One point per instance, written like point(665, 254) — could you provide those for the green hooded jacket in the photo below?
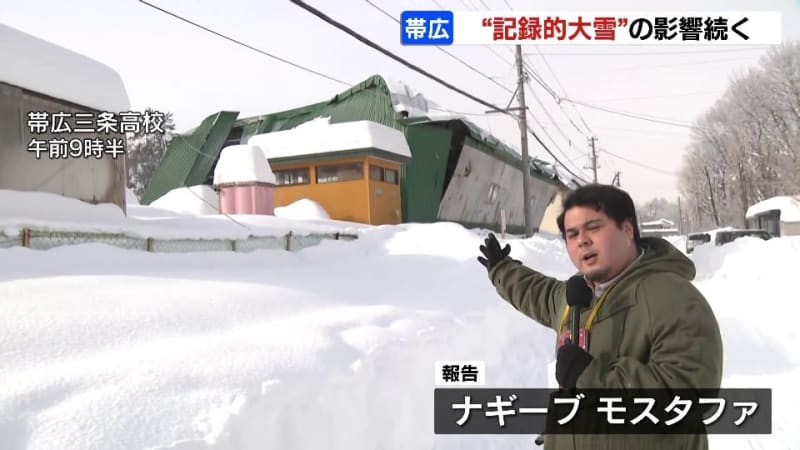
point(654, 330)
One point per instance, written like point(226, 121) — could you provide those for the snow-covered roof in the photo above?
point(789, 206)
point(661, 230)
point(659, 222)
point(243, 164)
point(40, 66)
point(318, 136)
point(407, 100)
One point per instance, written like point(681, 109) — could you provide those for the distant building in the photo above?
point(779, 215)
point(660, 227)
point(457, 171)
point(43, 84)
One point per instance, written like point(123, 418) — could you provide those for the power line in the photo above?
point(538, 78)
point(550, 90)
point(548, 134)
point(173, 178)
point(556, 97)
point(633, 115)
point(286, 61)
point(569, 140)
point(295, 64)
point(485, 46)
point(388, 53)
point(649, 97)
point(636, 163)
point(417, 69)
point(475, 8)
point(552, 72)
point(445, 51)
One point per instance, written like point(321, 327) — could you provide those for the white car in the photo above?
point(723, 236)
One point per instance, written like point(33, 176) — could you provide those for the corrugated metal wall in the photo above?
point(189, 158)
point(422, 180)
point(482, 187)
point(89, 179)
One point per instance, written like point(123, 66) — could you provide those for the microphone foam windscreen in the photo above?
point(578, 292)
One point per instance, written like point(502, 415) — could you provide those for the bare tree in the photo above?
point(746, 147)
point(145, 151)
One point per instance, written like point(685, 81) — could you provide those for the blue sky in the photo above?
point(172, 66)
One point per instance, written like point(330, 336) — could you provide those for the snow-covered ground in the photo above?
point(331, 347)
point(183, 213)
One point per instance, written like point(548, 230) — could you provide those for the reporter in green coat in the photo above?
point(647, 325)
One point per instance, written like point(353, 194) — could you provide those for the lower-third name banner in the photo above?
point(605, 411)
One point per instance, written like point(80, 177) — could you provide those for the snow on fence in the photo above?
point(46, 239)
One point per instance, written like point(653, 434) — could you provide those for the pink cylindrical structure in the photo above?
point(249, 198)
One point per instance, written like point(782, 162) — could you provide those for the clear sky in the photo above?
point(172, 66)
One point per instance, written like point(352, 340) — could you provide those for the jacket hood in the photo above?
point(661, 256)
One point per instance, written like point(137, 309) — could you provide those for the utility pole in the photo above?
point(523, 131)
point(519, 93)
point(615, 181)
point(593, 159)
point(680, 216)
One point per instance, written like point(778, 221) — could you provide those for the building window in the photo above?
point(340, 172)
point(292, 176)
point(391, 176)
point(377, 173)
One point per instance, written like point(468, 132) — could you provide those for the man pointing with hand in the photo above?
point(646, 326)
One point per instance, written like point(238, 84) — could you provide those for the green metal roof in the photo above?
point(190, 156)
point(193, 152)
point(372, 100)
point(368, 100)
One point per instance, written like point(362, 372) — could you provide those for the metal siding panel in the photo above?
point(467, 199)
point(211, 148)
point(178, 161)
point(422, 181)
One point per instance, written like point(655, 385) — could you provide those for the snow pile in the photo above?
point(130, 198)
point(320, 137)
point(194, 200)
point(789, 206)
point(41, 66)
point(176, 218)
point(332, 347)
point(240, 164)
point(30, 208)
point(678, 241)
point(303, 209)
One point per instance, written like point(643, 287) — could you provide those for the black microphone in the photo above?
point(579, 295)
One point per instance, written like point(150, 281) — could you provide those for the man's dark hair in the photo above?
point(614, 202)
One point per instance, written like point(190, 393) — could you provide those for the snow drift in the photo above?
point(331, 347)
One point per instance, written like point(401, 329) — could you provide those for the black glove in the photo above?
point(571, 361)
point(492, 252)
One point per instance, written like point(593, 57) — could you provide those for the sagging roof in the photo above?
point(387, 102)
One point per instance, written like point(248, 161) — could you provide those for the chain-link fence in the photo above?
point(45, 239)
